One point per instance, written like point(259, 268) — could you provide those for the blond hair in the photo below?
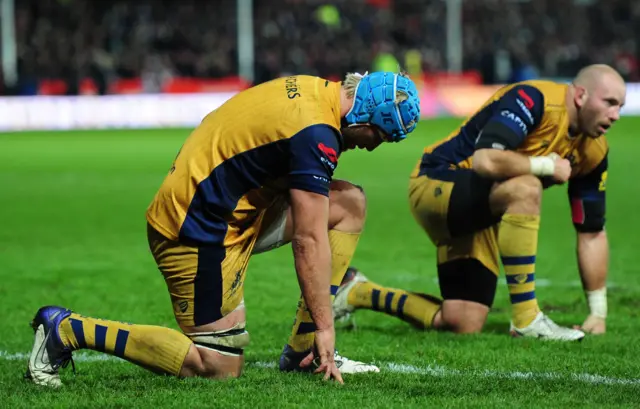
point(352, 79)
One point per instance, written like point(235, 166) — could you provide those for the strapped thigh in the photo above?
point(230, 342)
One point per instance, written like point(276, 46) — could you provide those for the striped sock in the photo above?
point(156, 348)
point(518, 242)
point(343, 246)
point(416, 309)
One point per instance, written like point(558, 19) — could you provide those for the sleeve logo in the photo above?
point(330, 153)
point(528, 101)
point(515, 118)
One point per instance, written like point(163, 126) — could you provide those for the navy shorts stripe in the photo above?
point(306, 328)
point(208, 285)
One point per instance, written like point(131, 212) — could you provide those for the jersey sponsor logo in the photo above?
point(320, 178)
point(515, 118)
point(528, 101)
point(291, 85)
point(499, 146)
point(526, 110)
point(329, 152)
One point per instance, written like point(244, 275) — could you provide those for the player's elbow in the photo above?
point(484, 164)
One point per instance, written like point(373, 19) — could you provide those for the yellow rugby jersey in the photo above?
point(535, 114)
point(262, 142)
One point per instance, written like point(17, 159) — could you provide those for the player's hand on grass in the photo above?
point(593, 325)
point(324, 355)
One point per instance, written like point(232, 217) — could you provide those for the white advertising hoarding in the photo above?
point(154, 110)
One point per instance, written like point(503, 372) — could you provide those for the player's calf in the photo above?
point(518, 242)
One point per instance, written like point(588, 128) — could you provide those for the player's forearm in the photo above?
point(313, 266)
point(593, 259)
point(593, 262)
point(498, 164)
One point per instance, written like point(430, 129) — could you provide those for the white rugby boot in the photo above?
point(543, 327)
point(48, 354)
point(341, 308)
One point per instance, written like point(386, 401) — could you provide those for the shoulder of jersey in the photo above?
point(599, 145)
point(305, 92)
point(553, 92)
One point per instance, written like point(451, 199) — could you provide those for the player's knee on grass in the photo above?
point(347, 207)
point(218, 348)
point(468, 289)
point(521, 194)
point(463, 317)
point(212, 364)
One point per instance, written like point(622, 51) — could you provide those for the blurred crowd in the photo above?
point(504, 40)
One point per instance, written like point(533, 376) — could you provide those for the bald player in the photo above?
point(255, 174)
point(477, 195)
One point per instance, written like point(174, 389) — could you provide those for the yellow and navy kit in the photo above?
point(245, 155)
point(531, 118)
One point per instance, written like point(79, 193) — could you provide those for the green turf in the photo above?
point(72, 232)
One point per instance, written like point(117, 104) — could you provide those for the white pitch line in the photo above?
point(540, 282)
point(429, 370)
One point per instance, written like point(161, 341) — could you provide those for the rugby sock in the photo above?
point(416, 309)
point(518, 243)
point(343, 246)
point(156, 348)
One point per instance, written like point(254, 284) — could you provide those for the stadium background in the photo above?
point(456, 50)
point(97, 97)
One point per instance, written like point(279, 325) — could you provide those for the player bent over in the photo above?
point(477, 195)
point(255, 174)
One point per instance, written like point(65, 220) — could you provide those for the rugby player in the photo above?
point(477, 195)
point(255, 174)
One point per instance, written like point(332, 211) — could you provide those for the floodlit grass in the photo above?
point(72, 233)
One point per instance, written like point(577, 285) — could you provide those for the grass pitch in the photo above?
point(72, 232)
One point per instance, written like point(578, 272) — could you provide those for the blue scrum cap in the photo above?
point(374, 103)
